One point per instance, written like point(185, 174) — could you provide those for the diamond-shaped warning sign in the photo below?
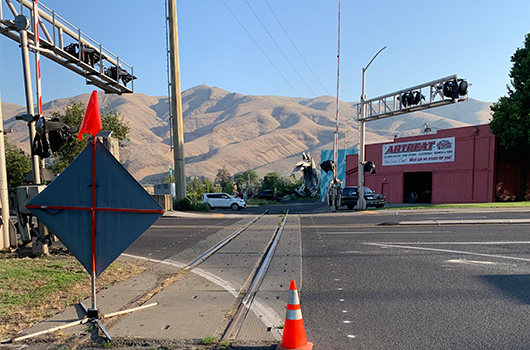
point(96, 208)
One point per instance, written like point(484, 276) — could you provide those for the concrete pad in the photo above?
point(190, 309)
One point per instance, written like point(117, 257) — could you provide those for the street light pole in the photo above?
point(361, 202)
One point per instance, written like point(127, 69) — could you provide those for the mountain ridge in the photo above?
point(241, 132)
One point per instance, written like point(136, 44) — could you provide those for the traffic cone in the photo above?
point(294, 337)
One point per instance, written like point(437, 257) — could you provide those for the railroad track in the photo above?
point(250, 288)
point(252, 245)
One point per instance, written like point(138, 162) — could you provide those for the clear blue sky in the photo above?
point(425, 41)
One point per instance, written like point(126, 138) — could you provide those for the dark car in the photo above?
point(269, 195)
point(350, 196)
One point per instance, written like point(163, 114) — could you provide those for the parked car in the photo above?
point(350, 196)
point(223, 200)
point(269, 195)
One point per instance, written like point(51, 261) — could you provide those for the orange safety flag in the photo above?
point(92, 120)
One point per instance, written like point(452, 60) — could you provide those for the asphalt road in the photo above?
point(367, 286)
point(171, 235)
point(371, 284)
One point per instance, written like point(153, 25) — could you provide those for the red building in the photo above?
point(460, 165)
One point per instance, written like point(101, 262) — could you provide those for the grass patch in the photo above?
point(32, 289)
point(210, 339)
point(462, 206)
point(225, 345)
point(259, 202)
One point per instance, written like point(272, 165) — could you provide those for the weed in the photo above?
point(107, 344)
point(225, 345)
point(210, 339)
point(280, 326)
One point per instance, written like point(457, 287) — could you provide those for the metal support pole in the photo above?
point(361, 202)
point(29, 99)
point(176, 104)
point(4, 238)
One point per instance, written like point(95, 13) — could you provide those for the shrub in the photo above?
point(190, 203)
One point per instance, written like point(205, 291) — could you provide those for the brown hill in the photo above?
point(241, 132)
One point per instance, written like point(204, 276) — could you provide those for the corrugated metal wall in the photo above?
point(469, 178)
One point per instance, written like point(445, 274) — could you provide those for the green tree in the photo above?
point(197, 187)
point(73, 115)
point(223, 178)
point(248, 179)
point(168, 179)
point(271, 181)
point(17, 164)
point(511, 113)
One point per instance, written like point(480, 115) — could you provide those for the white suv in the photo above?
point(223, 200)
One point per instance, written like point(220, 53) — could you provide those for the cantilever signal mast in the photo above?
point(66, 45)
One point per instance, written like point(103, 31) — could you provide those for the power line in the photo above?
point(279, 48)
point(296, 48)
point(259, 47)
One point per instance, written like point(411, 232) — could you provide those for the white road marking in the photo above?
point(464, 261)
point(460, 243)
point(371, 232)
point(383, 245)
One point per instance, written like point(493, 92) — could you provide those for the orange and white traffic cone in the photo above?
point(294, 337)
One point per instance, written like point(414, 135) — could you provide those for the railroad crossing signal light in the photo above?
point(454, 88)
point(327, 166)
point(411, 98)
point(369, 167)
point(124, 75)
point(89, 55)
point(52, 135)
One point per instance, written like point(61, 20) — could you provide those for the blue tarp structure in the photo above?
point(123, 209)
point(325, 178)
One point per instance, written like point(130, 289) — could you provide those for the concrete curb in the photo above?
point(466, 222)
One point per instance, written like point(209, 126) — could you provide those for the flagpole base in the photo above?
point(92, 313)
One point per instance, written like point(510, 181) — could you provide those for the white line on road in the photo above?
point(464, 261)
point(458, 243)
point(448, 251)
point(369, 232)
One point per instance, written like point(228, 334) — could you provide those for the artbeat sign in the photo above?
point(418, 152)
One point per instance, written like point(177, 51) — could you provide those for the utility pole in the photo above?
point(176, 104)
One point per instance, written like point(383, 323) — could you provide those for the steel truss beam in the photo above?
point(392, 104)
point(63, 33)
